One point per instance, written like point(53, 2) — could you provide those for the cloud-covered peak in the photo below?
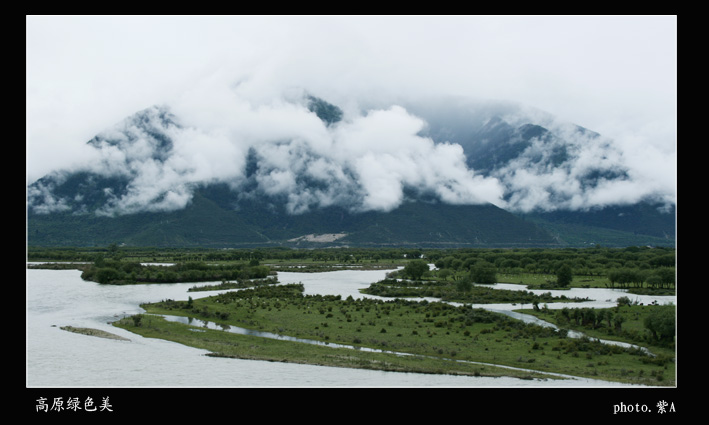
point(306, 153)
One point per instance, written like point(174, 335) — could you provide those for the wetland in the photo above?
point(438, 323)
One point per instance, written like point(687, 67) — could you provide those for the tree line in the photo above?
point(115, 272)
point(624, 267)
point(658, 320)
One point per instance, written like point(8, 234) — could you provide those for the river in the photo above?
point(57, 358)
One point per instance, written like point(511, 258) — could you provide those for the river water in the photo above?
point(57, 358)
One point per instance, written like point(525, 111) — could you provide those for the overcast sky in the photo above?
point(616, 75)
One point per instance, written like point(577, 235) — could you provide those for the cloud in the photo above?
point(580, 170)
point(365, 162)
point(236, 86)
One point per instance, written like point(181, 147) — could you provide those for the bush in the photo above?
point(622, 301)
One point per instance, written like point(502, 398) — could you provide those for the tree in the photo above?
point(444, 274)
point(608, 315)
point(415, 269)
point(464, 285)
point(564, 276)
point(588, 317)
point(107, 275)
point(618, 321)
point(661, 322)
point(622, 301)
point(414, 253)
point(624, 277)
point(483, 272)
point(667, 275)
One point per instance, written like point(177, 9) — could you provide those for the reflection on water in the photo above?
point(56, 358)
point(242, 331)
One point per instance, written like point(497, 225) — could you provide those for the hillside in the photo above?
point(157, 181)
point(203, 223)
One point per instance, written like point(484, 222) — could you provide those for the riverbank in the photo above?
point(230, 345)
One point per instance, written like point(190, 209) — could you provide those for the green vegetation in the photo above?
point(93, 332)
point(640, 270)
point(240, 284)
point(273, 256)
point(651, 326)
point(637, 269)
point(229, 345)
point(121, 272)
point(440, 338)
point(210, 220)
point(461, 291)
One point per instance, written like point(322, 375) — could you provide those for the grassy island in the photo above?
point(435, 337)
point(93, 332)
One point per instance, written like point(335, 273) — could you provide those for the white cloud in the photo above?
point(231, 79)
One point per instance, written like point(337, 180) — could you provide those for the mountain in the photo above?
point(204, 223)
point(417, 175)
point(500, 141)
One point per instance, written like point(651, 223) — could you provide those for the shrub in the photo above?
point(623, 301)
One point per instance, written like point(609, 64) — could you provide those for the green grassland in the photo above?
point(439, 338)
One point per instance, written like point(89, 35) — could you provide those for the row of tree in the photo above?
point(624, 267)
point(659, 321)
point(479, 272)
point(484, 272)
point(587, 261)
point(659, 278)
point(109, 271)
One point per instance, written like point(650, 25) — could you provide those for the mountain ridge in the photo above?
point(204, 223)
point(105, 202)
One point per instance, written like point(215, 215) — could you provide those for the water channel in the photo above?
point(56, 358)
